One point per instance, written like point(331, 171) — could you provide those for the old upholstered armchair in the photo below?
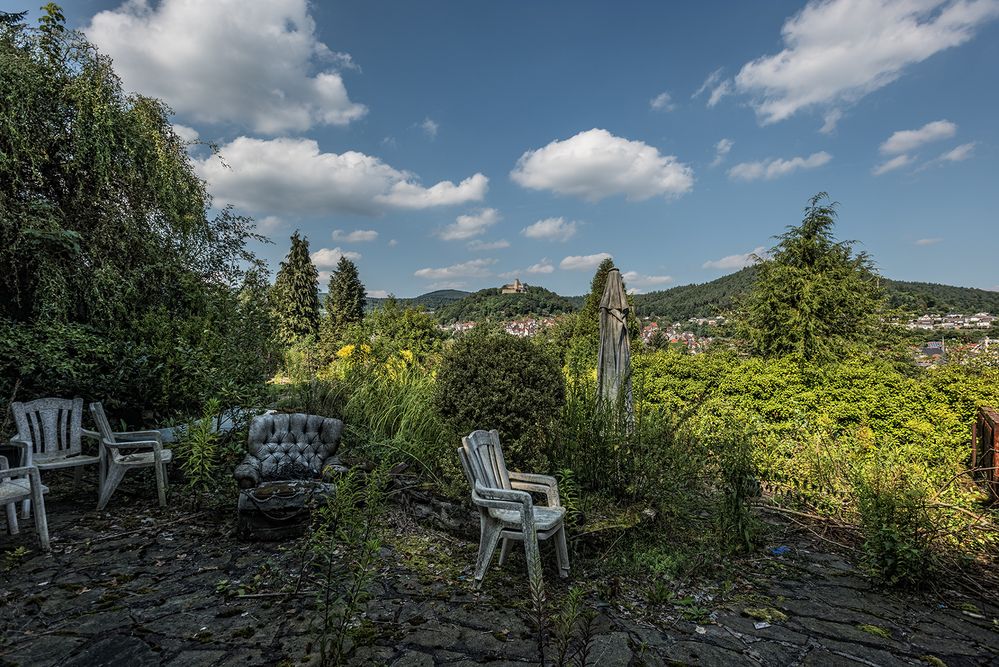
point(506, 508)
point(288, 446)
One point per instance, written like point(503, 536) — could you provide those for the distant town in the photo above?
point(954, 321)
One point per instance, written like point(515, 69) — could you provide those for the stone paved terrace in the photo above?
point(134, 586)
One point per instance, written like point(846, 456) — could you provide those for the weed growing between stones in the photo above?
point(538, 608)
point(346, 542)
point(572, 630)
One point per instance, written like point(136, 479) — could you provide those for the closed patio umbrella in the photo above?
point(614, 356)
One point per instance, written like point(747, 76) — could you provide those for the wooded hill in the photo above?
point(491, 304)
point(717, 296)
point(430, 300)
point(683, 302)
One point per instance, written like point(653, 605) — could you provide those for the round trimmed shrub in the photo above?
point(498, 381)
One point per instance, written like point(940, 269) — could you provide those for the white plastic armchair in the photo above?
point(17, 484)
point(506, 508)
point(48, 435)
point(125, 450)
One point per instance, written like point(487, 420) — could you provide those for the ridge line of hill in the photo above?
point(684, 301)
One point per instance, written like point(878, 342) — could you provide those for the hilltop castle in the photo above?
point(516, 287)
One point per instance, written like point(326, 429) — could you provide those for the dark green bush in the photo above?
point(497, 381)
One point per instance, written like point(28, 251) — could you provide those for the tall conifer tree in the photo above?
point(814, 297)
point(296, 293)
point(346, 298)
point(588, 318)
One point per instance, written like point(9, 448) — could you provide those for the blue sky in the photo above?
point(464, 143)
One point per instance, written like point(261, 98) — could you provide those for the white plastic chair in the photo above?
point(17, 484)
point(48, 432)
point(125, 450)
point(506, 508)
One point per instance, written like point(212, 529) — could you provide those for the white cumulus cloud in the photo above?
point(737, 261)
point(293, 176)
point(356, 236)
point(776, 167)
point(904, 141)
point(327, 258)
point(662, 102)
point(636, 279)
point(837, 51)
point(722, 149)
point(896, 162)
point(475, 268)
point(257, 63)
point(478, 246)
point(467, 226)
point(583, 262)
point(830, 120)
point(596, 164)
point(717, 86)
point(187, 134)
point(430, 127)
point(544, 266)
point(962, 152)
point(550, 229)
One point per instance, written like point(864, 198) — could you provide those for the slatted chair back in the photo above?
point(485, 460)
point(53, 426)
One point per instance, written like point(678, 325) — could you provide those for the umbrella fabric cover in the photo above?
point(614, 357)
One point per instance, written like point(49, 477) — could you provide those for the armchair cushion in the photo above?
point(288, 446)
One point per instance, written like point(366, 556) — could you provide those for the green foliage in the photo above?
point(608, 452)
point(722, 295)
point(679, 304)
point(814, 297)
point(345, 543)
point(295, 296)
point(897, 523)
point(588, 318)
point(393, 328)
point(430, 300)
point(116, 285)
point(732, 448)
point(916, 297)
point(492, 304)
point(198, 451)
point(345, 299)
point(496, 381)
point(859, 440)
point(101, 211)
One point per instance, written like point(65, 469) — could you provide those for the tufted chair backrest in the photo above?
point(283, 442)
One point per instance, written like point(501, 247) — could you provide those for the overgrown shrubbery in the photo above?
point(117, 283)
point(496, 381)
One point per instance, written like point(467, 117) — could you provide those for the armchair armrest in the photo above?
point(21, 471)
point(485, 496)
point(539, 483)
point(505, 499)
point(25, 448)
point(133, 444)
point(139, 435)
point(87, 433)
point(31, 472)
point(534, 479)
point(248, 473)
